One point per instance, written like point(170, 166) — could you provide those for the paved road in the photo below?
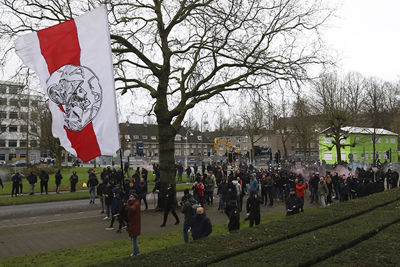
point(42, 227)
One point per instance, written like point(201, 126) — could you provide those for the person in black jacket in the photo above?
point(15, 184)
point(92, 183)
point(108, 197)
point(44, 181)
point(73, 181)
point(169, 205)
point(141, 191)
point(32, 180)
point(58, 181)
point(101, 190)
point(253, 208)
point(201, 224)
point(1, 184)
point(293, 203)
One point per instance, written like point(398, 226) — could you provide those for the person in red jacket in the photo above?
point(300, 188)
point(134, 222)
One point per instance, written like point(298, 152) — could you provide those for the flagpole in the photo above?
point(122, 164)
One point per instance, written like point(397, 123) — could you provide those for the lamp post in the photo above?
point(186, 145)
point(201, 121)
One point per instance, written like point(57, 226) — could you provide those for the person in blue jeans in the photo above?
point(134, 221)
point(92, 183)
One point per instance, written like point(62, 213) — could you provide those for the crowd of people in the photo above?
point(237, 188)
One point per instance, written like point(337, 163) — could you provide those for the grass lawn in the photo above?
point(112, 250)
point(65, 184)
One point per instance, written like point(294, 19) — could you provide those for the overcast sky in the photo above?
point(366, 35)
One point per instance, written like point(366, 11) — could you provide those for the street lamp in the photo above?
point(186, 145)
point(201, 121)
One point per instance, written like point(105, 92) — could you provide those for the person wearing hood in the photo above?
point(253, 208)
point(201, 224)
point(188, 203)
point(169, 205)
point(253, 184)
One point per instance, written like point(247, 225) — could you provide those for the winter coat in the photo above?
point(92, 180)
point(253, 205)
point(253, 185)
point(32, 179)
point(201, 226)
point(58, 178)
point(323, 189)
point(44, 177)
point(300, 189)
point(293, 201)
point(187, 209)
point(133, 218)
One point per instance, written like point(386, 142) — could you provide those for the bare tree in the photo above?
point(253, 123)
point(304, 125)
point(374, 110)
point(338, 107)
point(185, 52)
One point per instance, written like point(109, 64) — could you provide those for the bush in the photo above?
point(218, 248)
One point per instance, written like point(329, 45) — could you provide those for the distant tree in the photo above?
point(252, 120)
point(338, 106)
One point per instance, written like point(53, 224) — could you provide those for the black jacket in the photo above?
point(32, 179)
point(253, 204)
point(201, 226)
point(293, 202)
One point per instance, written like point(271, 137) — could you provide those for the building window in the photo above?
point(12, 143)
point(2, 143)
point(144, 137)
point(22, 155)
point(392, 140)
point(11, 156)
point(178, 137)
point(3, 90)
point(199, 138)
point(2, 157)
point(327, 156)
point(387, 140)
point(24, 102)
point(153, 146)
point(13, 90)
point(22, 143)
point(3, 115)
point(193, 146)
point(3, 101)
point(379, 140)
point(34, 143)
point(198, 146)
point(14, 102)
point(34, 103)
point(136, 137)
point(327, 140)
point(153, 137)
point(3, 128)
point(357, 139)
point(13, 115)
point(13, 128)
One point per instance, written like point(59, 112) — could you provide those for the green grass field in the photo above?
point(65, 186)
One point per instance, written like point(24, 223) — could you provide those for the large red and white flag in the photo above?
point(74, 64)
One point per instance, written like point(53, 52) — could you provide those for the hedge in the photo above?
point(311, 248)
point(215, 249)
point(382, 249)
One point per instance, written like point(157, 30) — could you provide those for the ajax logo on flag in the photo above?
point(77, 91)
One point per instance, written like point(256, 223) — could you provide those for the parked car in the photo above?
point(18, 163)
point(2, 162)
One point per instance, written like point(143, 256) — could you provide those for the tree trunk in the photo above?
point(167, 157)
point(338, 150)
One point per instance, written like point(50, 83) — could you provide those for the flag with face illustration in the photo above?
point(74, 64)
